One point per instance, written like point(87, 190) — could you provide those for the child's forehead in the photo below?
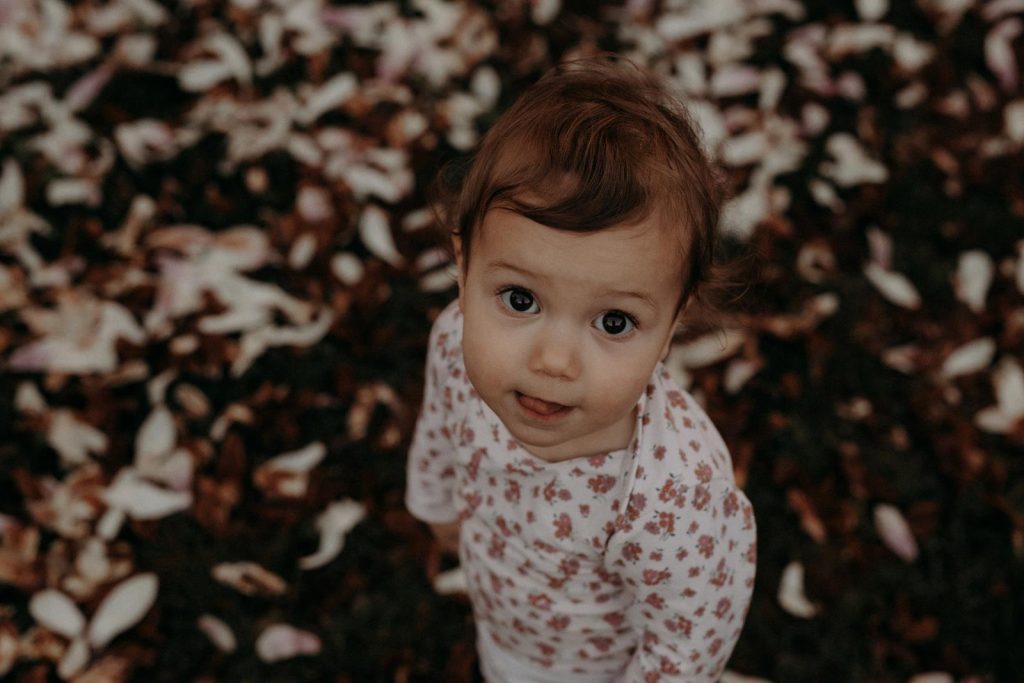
point(645, 251)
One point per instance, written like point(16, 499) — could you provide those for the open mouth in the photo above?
point(539, 409)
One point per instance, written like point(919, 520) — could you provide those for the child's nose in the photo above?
point(556, 354)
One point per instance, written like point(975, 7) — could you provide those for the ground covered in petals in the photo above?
point(218, 271)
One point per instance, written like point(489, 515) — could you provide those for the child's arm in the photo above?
point(691, 587)
point(430, 480)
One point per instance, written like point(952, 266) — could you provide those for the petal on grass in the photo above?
point(895, 532)
point(282, 641)
point(971, 357)
point(334, 524)
point(895, 287)
point(122, 608)
point(57, 612)
point(791, 592)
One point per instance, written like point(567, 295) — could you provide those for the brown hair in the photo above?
point(593, 144)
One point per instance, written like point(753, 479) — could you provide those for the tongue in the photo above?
point(540, 406)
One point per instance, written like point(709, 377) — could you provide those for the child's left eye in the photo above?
point(615, 323)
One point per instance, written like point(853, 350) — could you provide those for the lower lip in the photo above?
point(542, 417)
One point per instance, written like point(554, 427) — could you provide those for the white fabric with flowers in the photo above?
point(634, 565)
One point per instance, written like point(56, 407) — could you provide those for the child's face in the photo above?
point(562, 330)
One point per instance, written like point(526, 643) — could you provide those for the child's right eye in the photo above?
point(519, 300)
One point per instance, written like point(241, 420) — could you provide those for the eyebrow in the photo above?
point(619, 293)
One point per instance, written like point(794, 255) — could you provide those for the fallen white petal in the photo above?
point(932, 677)
point(739, 371)
point(28, 399)
point(1013, 121)
point(707, 350)
point(282, 641)
point(872, 10)
point(971, 357)
point(375, 232)
point(74, 439)
point(143, 500)
point(334, 524)
point(12, 187)
point(852, 165)
point(75, 658)
point(122, 608)
point(791, 592)
point(57, 612)
point(895, 532)
point(155, 438)
point(302, 252)
point(219, 633)
point(451, 582)
point(973, 278)
point(895, 287)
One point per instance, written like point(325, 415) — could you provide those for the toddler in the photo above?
point(591, 500)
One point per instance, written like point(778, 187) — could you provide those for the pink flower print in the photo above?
point(512, 492)
point(731, 504)
point(550, 492)
point(659, 453)
point(474, 463)
point(565, 495)
point(597, 461)
point(682, 554)
point(652, 528)
point(540, 600)
point(559, 622)
point(602, 643)
point(703, 472)
point(632, 551)
point(679, 625)
point(601, 484)
point(615, 619)
point(637, 503)
point(656, 556)
point(723, 607)
point(496, 549)
point(546, 649)
point(688, 423)
point(563, 526)
point(675, 398)
point(701, 497)
point(652, 677)
point(569, 567)
point(668, 666)
point(530, 517)
point(655, 601)
point(667, 491)
point(716, 645)
point(496, 584)
point(503, 525)
point(667, 521)
point(584, 511)
point(654, 577)
point(706, 545)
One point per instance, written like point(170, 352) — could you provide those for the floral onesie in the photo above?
point(635, 565)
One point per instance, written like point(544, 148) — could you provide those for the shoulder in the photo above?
point(446, 334)
point(680, 440)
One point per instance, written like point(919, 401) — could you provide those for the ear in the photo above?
point(460, 274)
point(677, 326)
point(668, 339)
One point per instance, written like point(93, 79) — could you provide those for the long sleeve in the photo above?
point(688, 557)
point(430, 473)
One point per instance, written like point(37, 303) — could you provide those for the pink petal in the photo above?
point(281, 641)
point(895, 532)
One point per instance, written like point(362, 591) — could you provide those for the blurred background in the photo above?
point(217, 275)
